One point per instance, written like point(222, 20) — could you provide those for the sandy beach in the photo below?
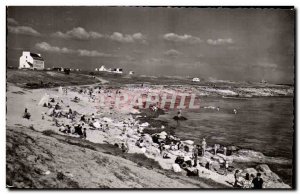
point(108, 129)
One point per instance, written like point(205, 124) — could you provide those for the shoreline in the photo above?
point(154, 122)
point(117, 131)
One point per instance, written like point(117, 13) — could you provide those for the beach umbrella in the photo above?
point(163, 133)
point(189, 142)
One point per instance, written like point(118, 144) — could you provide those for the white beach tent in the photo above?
point(60, 90)
point(45, 99)
point(96, 125)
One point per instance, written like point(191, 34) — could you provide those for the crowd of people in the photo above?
point(78, 124)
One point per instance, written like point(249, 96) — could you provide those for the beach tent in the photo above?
point(96, 125)
point(188, 142)
point(50, 111)
point(146, 124)
point(45, 99)
point(176, 168)
point(162, 135)
point(60, 90)
point(107, 119)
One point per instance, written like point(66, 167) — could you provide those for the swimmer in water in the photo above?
point(179, 113)
point(235, 111)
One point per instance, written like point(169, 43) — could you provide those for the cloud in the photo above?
point(23, 30)
point(93, 53)
point(266, 65)
point(127, 38)
point(172, 53)
point(44, 46)
point(12, 21)
point(220, 41)
point(182, 38)
point(78, 33)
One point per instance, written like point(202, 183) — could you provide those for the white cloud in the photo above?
point(266, 65)
point(127, 38)
point(12, 21)
point(23, 30)
point(44, 46)
point(182, 38)
point(93, 53)
point(220, 41)
point(78, 33)
point(172, 53)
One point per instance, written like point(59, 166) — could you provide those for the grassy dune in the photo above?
point(53, 79)
point(49, 160)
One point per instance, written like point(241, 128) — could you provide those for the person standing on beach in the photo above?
point(226, 167)
point(247, 184)
point(257, 182)
point(195, 155)
point(216, 148)
point(124, 148)
point(236, 178)
point(225, 151)
point(179, 113)
point(84, 133)
point(203, 146)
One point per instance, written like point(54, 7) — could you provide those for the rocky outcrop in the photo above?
point(244, 155)
point(271, 179)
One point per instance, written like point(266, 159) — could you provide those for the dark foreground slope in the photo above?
point(48, 160)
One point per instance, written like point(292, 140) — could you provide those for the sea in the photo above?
point(264, 124)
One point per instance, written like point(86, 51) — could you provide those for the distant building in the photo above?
point(263, 81)
point(96, 69)
point(117, 70)
point(102, 68)
point(196, 79)
point(58, 69)
point(30, 60)
point(131, 72)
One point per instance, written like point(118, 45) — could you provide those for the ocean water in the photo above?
point(263, 124)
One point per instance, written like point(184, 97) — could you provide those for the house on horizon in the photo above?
point(102, 68)
point(30, 60)
point(117, 70)
point(196, 79)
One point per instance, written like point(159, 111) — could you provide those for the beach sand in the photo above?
point(85, 170)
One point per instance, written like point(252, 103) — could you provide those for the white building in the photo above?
point(102, 68)
point(32, 61)
point(131, 72)
point(117, 70)
point(196, 79)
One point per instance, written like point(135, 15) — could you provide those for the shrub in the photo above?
point(48, 132)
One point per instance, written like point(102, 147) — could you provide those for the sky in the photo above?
point(210, 43)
